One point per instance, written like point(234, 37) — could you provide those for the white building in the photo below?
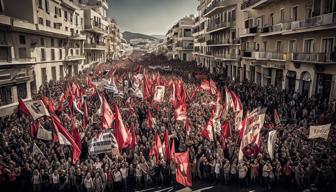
point(43, 40)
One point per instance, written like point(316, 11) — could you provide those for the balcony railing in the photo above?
point(269, 55)
point(226, 56)
point(276, 28)
point(74, 57)
point(321, 20)
point(249, 3)
point(252, 30)
point(94, 46)
point(315, 57)
point(223, 42)
point(215, 26)
point(215, 4)
point(18, 60)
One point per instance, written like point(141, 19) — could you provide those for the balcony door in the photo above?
point(309, 46)
point(328, 45)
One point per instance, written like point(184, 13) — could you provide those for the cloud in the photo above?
point(150, 16)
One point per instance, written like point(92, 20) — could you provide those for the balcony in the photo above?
point(217, 6)
point(278, 56)
point(220, 26)
point(70, 4)
point(77, 36)
point(226, 57)
point(226, 42)
point(52, 31)
point(185, 47)
point(275, 29)
point(74, 57)
point(249, 32)
point(96, 27)
point(254, 4)
point(318, 21)
point(95, 46)
point(318, 58)
point(18, 61)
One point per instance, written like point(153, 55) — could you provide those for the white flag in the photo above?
point(36, 109)
point(44, 134)
point(321, 131)
point(238, 120)
point(270, 142)
point(36, 150)
point(62, 140)
point(159, 93)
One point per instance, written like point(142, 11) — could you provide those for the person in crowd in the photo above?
point(297, 159)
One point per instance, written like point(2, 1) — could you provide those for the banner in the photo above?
point(183, 170)
point(44, 134)
point(36, 150)
point(321, 131)
point(103, 144)
point(36, 109)
point(159, 93)
point(272, 135)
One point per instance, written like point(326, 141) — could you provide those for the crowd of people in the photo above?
point(297, 160)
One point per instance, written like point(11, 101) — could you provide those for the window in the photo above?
point(53, 73)
point(278, 46)
point(295, 13)
point(43, 55)
point(60, 54)
point(328, 45)
point(47, 23)
point(22, 53)
point(56, 11)
point(271, 21)
point(52, 42)
point(309, 46)
point(41, 21)
point(5, 95)
point(46, 6)
point(65, 15)
point(292, 46)
point(52, 54)
point(44, 75)
point(22, 90)
point(22, 39)
point(61, 71)
point(265, 46)
point(40, 4)
point(59, 43)
point(42, 41)
point(282, 15)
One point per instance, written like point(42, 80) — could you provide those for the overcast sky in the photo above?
point(153, 17)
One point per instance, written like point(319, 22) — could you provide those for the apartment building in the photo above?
point(43, 40)
point(180, 39)
point(290, 44)
point(200, 36)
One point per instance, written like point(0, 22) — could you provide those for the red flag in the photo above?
point(226, 130)
point(166, 144)
point(183, 170)
point(207, 131)
point(159, 147)
point(172, 151)
point(75, 134)
point(133, 142)
point(33, 128)
point(86, 115)
point(121, 132)
point(150, 118)
point(243, 126)
point(107, 116)
point(62, 131)
point(153, 152)
point(209, 86)
point(23, 108)
point(277, 118)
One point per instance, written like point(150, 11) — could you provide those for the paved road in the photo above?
point(202, 186)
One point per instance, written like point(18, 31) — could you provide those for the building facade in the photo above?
point(40, 41)
point(180, 40)
point(291, 45)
